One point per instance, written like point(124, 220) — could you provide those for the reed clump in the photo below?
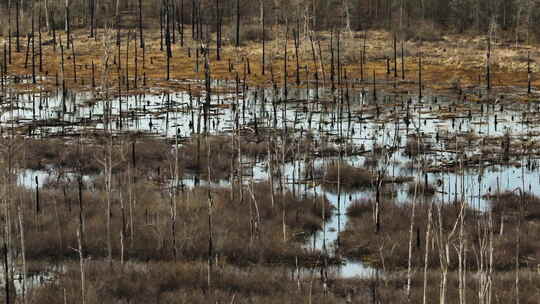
point(349, 177)
point(389, 247)
point(421, 189)
point(513, 211)
point(416, 146)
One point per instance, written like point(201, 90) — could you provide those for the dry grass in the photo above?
point(512, 204)
point(248, 226)
point(456, 57)
point(416, 146)
point(388, 249)
point(187, 283)
point(351, 178)
point(60, 155)
point(176, 283)
point(421, 188)
point(359, 239)
point(246, 229)
point(215, 155)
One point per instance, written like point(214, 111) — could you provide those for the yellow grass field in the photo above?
point(455, 61)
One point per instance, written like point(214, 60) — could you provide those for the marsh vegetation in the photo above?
point(257, 152)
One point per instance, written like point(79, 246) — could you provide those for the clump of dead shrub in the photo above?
point(349, 177)
point(420, 188)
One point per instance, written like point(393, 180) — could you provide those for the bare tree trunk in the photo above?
point(347, 15)
point(117, 17)
point(182, 23)
point(106, 161)
point(141, 39)
point(237, 23)
point(33, 46)
point(67, 26)
point(193, 14)
point(263, 38)
point(488, 64)
point(39, 43)
point(17, 15)
point(6, 274)
point(9, 31)
point(81, 263)
point(23, 252)
point(210, 230)
point(411, 230)
point(47, 16)
point(426, 251)
point(122, 231)
point(108, 184)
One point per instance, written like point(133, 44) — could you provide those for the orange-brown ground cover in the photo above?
point(451, 63)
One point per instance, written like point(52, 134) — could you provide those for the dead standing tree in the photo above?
point(237, 23)
point(17, 27)
point(67, 24)
point(141, 39)
point(218, 30)
point(106, 159)
point(8, 150)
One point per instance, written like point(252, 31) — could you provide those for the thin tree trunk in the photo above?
point(47, 16)
point(33, 46)
point(237, 23)
point(39, 43)
point(67, 26)
point(6, 274)
point(91, 4)
point(23, 252)
point(263, 38)
point(141, 39)
point(411, 229)
point(17, 34)
point(81, 263)
point(426, 251)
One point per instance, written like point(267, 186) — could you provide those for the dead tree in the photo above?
point(74, 62)
point(285, 76)
point(141, 39)
point(332, 70)
point(488, 65)
point(218, 31)
point(181, 23)
point(419, 76)
point(23, 252)
point(39, 43)
point(33, 46)
point(9, 31)
point(529, 73)
point(91, 11)
point(296, 35)
point(118, 25)
point(67, 25)
point(237, 23)
point(18, 44)
point(168, 38)
point(402, 60)
point(263, 37)
point(81, 263)
point(193, 17)
point(395, 56)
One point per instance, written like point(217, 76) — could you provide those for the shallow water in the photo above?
point(362, 123)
